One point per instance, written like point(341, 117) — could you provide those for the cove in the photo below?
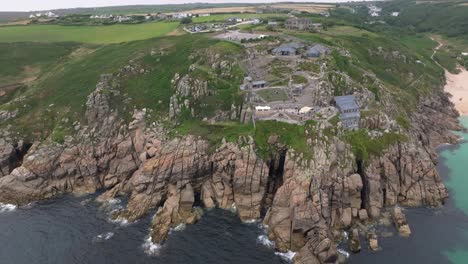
point(439, 235)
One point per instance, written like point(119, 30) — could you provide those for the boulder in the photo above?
point(354, 243)
point(401, 224)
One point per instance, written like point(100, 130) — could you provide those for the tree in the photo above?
point(186, 20)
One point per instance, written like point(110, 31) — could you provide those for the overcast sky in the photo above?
point(31, 5)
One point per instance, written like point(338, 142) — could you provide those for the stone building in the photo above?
point(349, 111)
point(299, 23)
point(287, 49)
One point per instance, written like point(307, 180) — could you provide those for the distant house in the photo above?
point(349, 111)
point(273, 24)
point(287, 49)
point(161, 16)
point(247, 85)
point(317, 50)
point(181, 15)
point(395, 14)
point(298, 23)
point(204, 15)
point(325, 14)
point(374, 11)
point(262, 108)
point(32, 16)
point(259, 84)
point(316, 26)
point(313, 53)
point(51, 15)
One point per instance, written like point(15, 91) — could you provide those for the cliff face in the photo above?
point(304, 202)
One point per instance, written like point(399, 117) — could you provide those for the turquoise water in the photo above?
point(439, 236)
point(456, 160)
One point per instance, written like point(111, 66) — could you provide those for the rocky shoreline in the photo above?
point(305, 204)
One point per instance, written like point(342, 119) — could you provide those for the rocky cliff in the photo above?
point(306, 203)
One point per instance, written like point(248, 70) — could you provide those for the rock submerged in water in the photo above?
point(401, 224)
point(373, 240)
point(354, 244)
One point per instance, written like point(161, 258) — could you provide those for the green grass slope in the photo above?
point(86, 34)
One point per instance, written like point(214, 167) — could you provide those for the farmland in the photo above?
point(222, 17)
point(86, 34)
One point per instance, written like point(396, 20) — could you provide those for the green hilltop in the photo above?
point(48, 71)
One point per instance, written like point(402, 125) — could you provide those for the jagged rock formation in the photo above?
point(303, 201)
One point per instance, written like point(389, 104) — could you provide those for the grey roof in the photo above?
point(321, 48)
point(284, 49)
point(346, 102)
point(351, 115)
point(259, 82)
point(313, 51)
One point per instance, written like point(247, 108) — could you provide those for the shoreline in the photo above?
point(457, 87)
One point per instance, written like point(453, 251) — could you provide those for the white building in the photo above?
point(305, 110)
point(262, 108)
point(51, 15)
point(122, 18)
point(395, 14)
point(204, 15)
point(181, 15)
point(374, 11)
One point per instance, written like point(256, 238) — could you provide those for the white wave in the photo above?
point(114, 201)
point(233, 208)
point(288, 256)
point(343, 252)
point(251, 221)
point(120, 221)
point(7, 207)
point(105, 236)
point(151, 248)
point(113, 207)
point(345, 235)
point(180, 227)
point(263, 227)
point(263, 240)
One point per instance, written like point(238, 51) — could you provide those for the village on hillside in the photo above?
point(284, 78)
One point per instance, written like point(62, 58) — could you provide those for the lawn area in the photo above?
point(347, 31)
point(299, 79)
point(223, 17)
point(86, 34)
point(22, 61)
point(273, 95)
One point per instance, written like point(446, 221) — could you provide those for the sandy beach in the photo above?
point(457, 86)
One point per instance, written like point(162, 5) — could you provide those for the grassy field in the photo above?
point(20, 61)
point(69, 73)
point(86, 34)
point(347, 31)
point(273, 95)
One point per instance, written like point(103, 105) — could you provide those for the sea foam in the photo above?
point(105, 236)
point(343, 252)
point(263, 240)
point(7, 207)
point(151, 248)
point(288, 256)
